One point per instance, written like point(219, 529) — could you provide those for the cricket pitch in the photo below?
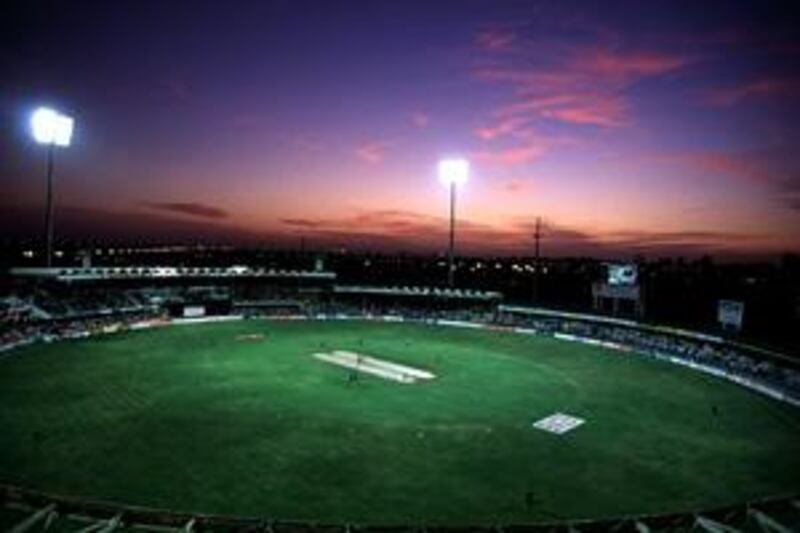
point(376, 367)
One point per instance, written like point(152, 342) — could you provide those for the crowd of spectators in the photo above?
point(410, 312)
point(47, 317)
point(29, 331)
point(720, 355)
point(43, 316)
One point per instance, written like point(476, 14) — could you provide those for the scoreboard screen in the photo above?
point(622, 274)
point(194, 311)
point(730, 314)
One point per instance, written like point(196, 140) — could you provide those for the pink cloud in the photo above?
point(512, 156)
point(534, 103)
point(513, 75)
point(606, 111)
point(372, 152)
point(627, 65)
point(501, 128)
point(420, 119)
point(495, 40)
point(764, 88)
point(739, 165)
point(587, 87)
point(581, 107)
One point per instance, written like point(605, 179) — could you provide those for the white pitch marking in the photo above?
point(374, 366)
point(558, 423)
point(381, 363)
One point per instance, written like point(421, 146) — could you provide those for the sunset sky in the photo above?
point(654, 127)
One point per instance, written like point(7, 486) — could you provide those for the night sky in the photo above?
point(630, 127)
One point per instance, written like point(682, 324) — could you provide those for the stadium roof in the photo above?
point(462, 294)
point(164, 272)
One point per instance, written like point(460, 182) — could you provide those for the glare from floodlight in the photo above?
point(453, 171)
point(51, 127)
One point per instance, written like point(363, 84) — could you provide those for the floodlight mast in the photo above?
point(453, 172)
point(52, 129)
point(451, 267)
point(48, 216)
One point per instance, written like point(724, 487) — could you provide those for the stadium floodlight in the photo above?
point(453, 173)
point(53, 129)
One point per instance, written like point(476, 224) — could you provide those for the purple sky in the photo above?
point(654, 127)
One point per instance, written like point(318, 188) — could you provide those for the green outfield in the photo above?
point(214, 418)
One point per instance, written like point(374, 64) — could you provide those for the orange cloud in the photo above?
point(395, 230)
point(410, 230)
point(300, 222)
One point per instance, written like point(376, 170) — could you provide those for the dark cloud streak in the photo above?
point(194, 209)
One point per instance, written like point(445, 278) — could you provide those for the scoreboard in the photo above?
point(730, 314)
point(619, 292)
point(622, 274)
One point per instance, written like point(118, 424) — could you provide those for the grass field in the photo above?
point(191, 418)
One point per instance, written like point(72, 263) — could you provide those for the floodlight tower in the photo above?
point(53, 129)
point(453, 173)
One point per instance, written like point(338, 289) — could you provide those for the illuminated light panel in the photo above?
point(453, 171)
point(50, 127)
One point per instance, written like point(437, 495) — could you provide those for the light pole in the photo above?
point(537, 235)
point(53, 129)
point(453, 173)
